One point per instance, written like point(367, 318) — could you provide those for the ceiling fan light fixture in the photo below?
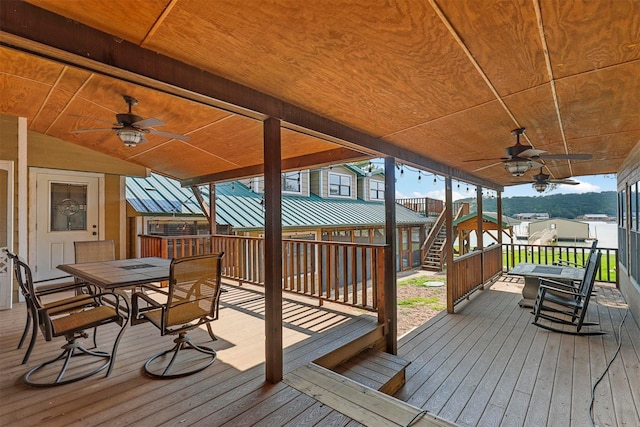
point(130, 137)
point(540, 186)
point(517, 167)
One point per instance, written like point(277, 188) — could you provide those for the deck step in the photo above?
point(376, 369)
point(358, 402)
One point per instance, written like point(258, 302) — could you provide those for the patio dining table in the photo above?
point(532, 274)
point(122, 273)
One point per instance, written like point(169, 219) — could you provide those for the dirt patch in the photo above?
point(419, 299)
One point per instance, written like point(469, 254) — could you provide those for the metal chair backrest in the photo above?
point(22, 274)
point(194, 292)
point(94, 250)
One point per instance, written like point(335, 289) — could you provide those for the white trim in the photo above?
point(7, 299)
point(23, 205)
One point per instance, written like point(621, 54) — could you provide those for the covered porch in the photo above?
point(485, 365)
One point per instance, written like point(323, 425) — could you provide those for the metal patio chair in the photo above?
point(37, 292)
point(192, 300)
point(94, 250)
point(58, 319)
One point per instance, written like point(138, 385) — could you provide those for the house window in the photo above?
point(339, 185)
point(377, 190)
point(291, 182)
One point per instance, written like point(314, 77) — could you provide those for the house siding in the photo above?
point(628, 175)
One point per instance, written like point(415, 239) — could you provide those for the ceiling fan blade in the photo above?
point(90, 130)
point(564, 156)
point(169, 135)
point(481, 160)
point(151, 121)
point(487, 167)
point(564, 181)
point(536, 165)
point(531, 153)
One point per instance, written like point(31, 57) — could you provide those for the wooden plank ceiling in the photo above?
point(441, 80)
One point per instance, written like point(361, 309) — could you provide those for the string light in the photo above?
point(419, 176)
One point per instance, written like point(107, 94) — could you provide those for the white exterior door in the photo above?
point(68, 209)
point(6, 232)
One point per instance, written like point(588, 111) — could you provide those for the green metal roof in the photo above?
point(243, 209)
point(489, 217)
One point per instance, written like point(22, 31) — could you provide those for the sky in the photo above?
point(412, 184)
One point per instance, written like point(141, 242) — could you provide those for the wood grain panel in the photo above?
point(601, 102)
point(362, 61)
point(585, 35)
point(118, 18)
point(504, 39)
point(193, 161)
point(21, 97)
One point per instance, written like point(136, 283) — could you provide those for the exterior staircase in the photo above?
point(434, 254)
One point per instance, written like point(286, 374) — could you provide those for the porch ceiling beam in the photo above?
point(37, 31)
point(338, 155)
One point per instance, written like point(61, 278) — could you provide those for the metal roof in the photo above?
point(242, 208)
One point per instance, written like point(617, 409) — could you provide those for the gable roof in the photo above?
point(241, 208)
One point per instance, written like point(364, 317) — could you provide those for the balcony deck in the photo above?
point(485, 365)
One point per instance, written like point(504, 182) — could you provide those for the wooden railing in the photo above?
point(423, 205)
point(471, 272)
point(515, 253)
point(344, 273)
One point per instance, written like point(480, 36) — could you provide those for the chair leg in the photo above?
point(125, 324)
point(70, 350)
point(182, 342)
point(26, 329)
point(211, 334)
point(34, 336)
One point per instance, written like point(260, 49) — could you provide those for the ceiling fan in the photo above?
point(520, 158)
point(131, 128)
point(541, 181)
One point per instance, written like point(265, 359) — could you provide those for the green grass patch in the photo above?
point(432, 302)
point(420, 281)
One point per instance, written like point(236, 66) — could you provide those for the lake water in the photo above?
point(605, 232)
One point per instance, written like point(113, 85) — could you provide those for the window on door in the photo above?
point(68, 207)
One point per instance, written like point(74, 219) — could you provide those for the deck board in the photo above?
point(513, 373)
point(485, 365)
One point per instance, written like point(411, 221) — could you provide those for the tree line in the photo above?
point(556, 205)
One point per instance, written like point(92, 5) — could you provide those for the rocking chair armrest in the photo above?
point(555, 283)
point(568, 263)
point(560, 290)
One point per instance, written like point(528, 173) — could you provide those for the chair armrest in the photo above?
point(136, 310)
point(554, 283)
point(567, 263)
point(57, 287)
point(559, 290)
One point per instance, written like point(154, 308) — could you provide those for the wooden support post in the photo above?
point(448, 219)
point(480, 229)
point(273, 250)
point(390, 294)
point(499, 218)
point(212, 209)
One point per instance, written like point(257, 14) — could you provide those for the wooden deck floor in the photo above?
point(486, 365)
